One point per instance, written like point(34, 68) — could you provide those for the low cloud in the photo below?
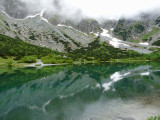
point(98, 9)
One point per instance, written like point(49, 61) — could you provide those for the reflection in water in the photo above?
point(105, 92)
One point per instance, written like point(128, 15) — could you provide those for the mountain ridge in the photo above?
point(39, 31)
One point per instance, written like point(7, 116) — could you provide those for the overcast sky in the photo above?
point(97, 8)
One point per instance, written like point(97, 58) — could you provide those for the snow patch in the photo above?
point(114, 41)
point(112, 29)
point(144, 43)
point(145, 74)
point(60, 25)
point(70, 27)
point(39, 14)
point(106, 86)
point(42, 12)
point(32, 16)
point(105, 33)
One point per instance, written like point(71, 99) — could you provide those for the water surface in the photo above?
point(81, 92)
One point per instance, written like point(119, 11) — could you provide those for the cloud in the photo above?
point(95, 8)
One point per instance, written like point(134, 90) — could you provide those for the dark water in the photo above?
point(84, 92)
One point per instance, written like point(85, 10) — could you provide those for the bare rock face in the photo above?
point(35, 30)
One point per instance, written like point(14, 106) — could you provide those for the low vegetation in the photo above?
point(18, 48)
point(56, 59)
point(28, 59)
point(146, 36)
point(9, 62)
point(102, 52)
point(15, 51)
point(154, 118)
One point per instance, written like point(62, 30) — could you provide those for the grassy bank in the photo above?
point(14, 52)
point(10, 62)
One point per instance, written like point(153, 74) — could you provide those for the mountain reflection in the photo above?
point(65, 92)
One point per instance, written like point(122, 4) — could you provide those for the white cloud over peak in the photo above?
point(97, 8)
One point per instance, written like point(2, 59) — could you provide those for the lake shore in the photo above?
point(12, 63)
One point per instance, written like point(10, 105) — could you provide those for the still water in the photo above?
point(81, 92)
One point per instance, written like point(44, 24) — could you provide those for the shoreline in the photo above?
point(40, 64)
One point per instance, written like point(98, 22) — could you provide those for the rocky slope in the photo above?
point(38, 31)
point(142, 35)
point(146, 29)
point(81, 39)
point(143, 30)
point(140, 29)
point(86, 25)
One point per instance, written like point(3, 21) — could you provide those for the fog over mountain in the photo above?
point(97, 9)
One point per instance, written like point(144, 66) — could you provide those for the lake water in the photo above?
point(81, 92)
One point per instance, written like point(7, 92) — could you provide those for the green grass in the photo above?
point(14, 52)
point(55, 59)
point(155, 56)
point(3, 62)
point(28, 59)
point(10, 62)
point(146, 36)
point(18, 48)
point(154, 118)
point(134, 41)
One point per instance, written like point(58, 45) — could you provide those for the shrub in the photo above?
point(9, 63)
point(48, 59)
point(28, 59)
point(18, 48)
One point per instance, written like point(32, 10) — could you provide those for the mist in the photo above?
point(108, 9)
point(96, 9)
